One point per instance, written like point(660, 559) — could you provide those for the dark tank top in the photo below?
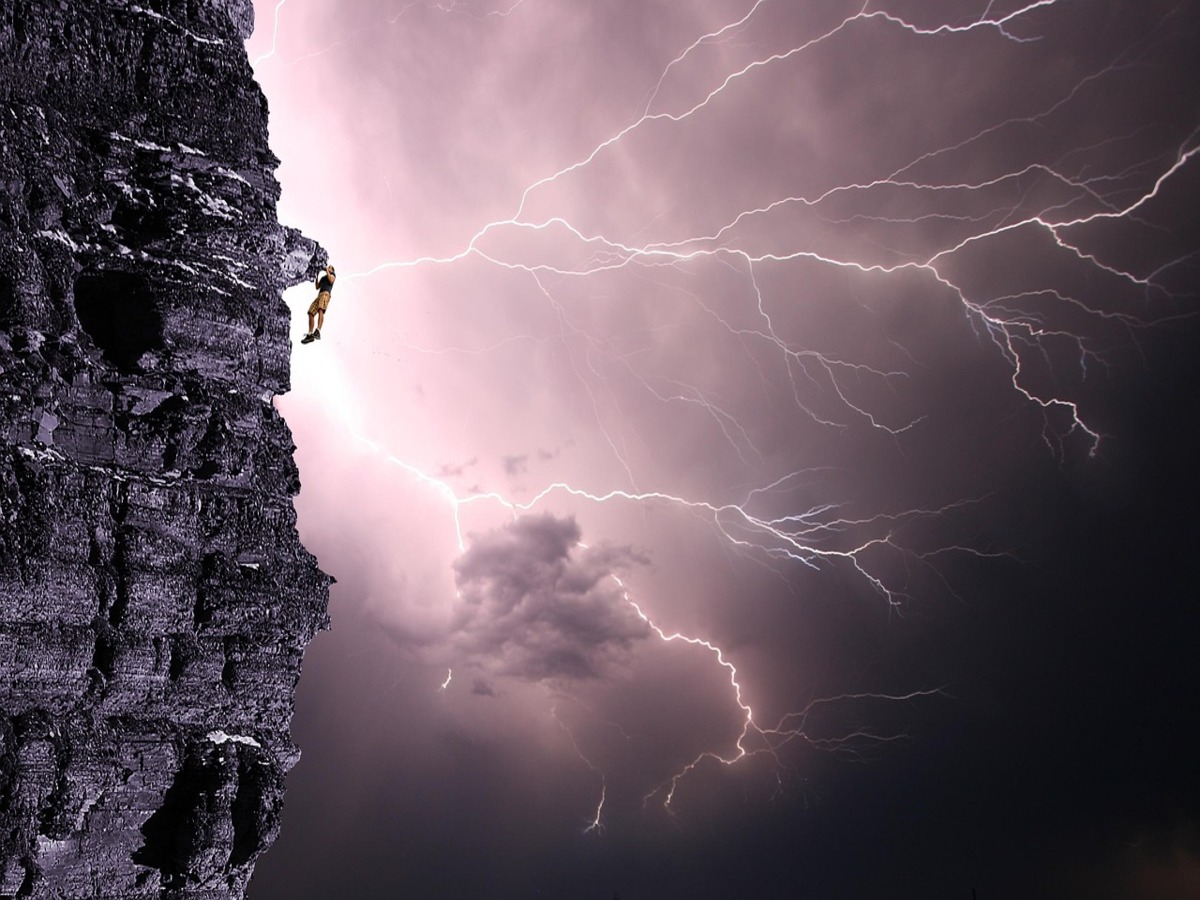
point(325, 285)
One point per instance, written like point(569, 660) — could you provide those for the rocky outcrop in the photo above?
point(155, 600)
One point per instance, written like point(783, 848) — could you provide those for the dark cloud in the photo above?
point(535, 604)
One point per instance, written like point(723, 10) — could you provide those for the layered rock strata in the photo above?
point(155, 601)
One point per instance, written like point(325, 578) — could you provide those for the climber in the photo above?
point(317, 308)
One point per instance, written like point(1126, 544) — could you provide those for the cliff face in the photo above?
point(155, 601)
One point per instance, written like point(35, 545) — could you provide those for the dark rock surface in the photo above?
point(155, 601)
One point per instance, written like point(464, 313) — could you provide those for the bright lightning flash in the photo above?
point(931, 227)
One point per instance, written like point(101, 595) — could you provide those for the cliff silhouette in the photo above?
point(155, 600)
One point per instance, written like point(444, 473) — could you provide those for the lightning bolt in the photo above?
point(262, 57)
point(1010, 331)
point(595, 824)
point(1059, 200)
point(795, 537)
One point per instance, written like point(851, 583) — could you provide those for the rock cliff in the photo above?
point(155, 601)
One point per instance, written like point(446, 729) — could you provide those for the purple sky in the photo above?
point(749, 438)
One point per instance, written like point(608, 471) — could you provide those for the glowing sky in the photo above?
point(750, 441)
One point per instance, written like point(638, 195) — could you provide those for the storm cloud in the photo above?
point(534, 604)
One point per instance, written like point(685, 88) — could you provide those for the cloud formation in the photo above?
point(535, 604)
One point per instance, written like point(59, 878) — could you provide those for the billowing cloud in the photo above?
point(535, 604)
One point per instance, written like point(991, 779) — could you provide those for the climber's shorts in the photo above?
point(320, 304)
